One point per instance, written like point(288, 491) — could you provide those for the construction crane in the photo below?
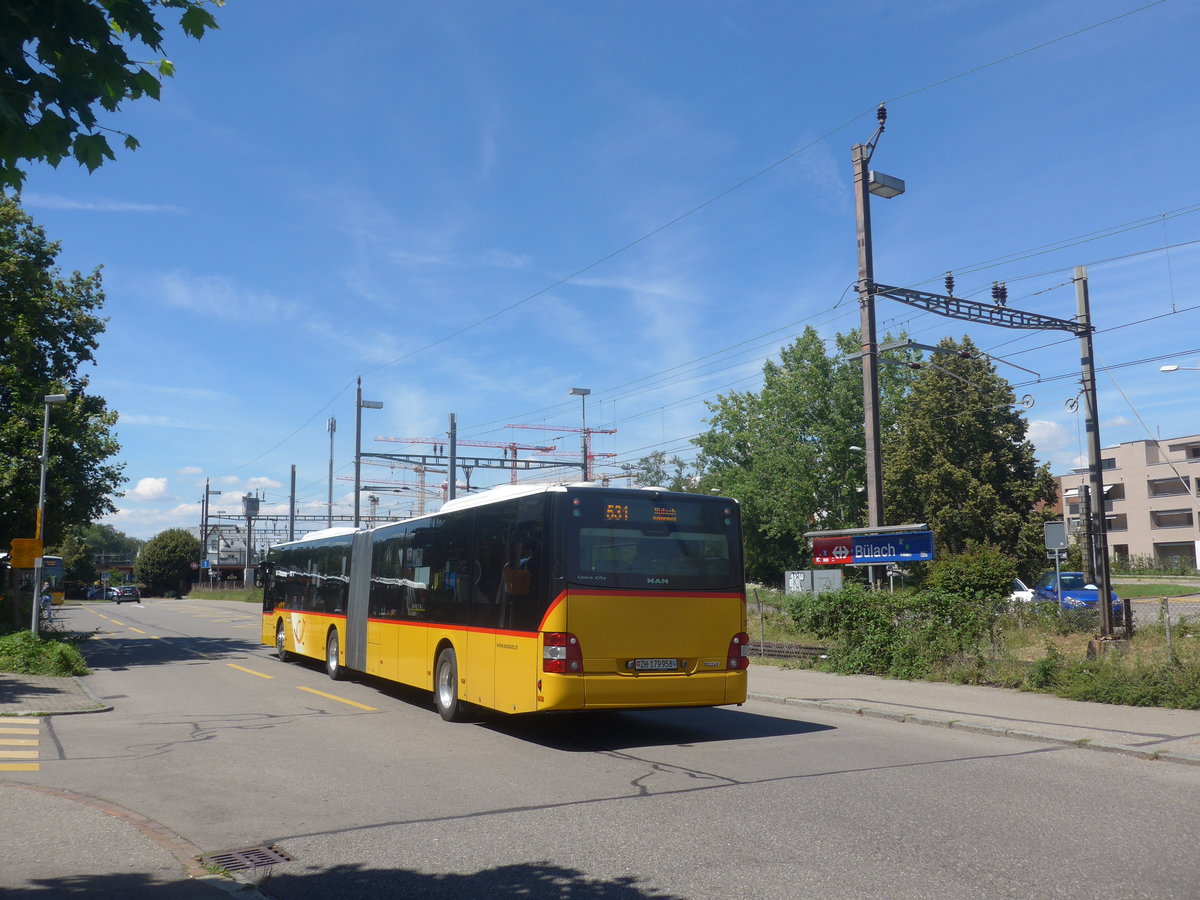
point(587, 433)
point(421, 470)
point(510, 448)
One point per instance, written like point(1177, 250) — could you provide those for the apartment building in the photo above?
point(1151, 499)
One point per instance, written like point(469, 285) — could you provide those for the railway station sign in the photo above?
point(873, 549)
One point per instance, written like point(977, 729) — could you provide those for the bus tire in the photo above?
point(281, 650)
point(332, 667)
point(445, 686)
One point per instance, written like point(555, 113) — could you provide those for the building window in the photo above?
point(1169, 487)
point(1118, 523)
point(1110, 463)
point(1171, 518)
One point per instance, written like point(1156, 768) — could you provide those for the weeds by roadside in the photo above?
point(936, 636)
point(24, 653)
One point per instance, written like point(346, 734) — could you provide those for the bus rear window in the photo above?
point(669, 542)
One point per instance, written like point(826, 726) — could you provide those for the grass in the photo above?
point(240, 595)
point(24, 653)
point(1139, 591)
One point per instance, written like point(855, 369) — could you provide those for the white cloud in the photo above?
point(149, 489)
point(160, 422)
point(265, 483)
point(189, 470)
point(53, 201)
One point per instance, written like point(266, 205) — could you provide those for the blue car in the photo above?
point(1076, 592)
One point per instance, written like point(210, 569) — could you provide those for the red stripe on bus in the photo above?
point(304, 612)
point(553, 606)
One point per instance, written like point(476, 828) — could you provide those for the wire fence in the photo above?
point(1170, 614)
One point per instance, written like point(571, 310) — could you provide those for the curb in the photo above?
point(972, 728)
point(100, 706)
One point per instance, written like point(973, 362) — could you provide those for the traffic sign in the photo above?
point(24, 553)
point(872, 549)
point(204, 563)
point(1055, 534)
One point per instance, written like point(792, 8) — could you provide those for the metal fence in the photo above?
point(1165, 612)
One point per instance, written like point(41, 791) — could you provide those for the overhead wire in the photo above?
point(695, 209)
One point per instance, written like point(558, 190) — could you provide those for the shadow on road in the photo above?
point(588, 732)
point(531, 880)
point(113, 886)
point(103, 652)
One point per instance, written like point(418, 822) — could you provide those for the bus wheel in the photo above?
point(281, 643)
point(332, 668)
point(445, 686)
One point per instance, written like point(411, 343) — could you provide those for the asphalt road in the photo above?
point(373, 794)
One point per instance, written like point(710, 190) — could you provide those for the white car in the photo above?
point(1020, 592)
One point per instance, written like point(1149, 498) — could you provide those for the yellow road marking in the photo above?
point(205, 655)
point(19, 730)
point(115, 622)
point(20, 767)
point(18, 754)
point(138, 630)
point(18, 742)
point(338, 699)
point(251, 671)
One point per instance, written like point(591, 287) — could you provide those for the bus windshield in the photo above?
point(637, 540)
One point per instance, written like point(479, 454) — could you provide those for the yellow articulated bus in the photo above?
point(527, 598)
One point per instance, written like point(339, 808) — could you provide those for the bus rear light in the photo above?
point(561, 653)
point(737, 658)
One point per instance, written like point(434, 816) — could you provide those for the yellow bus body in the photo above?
point(501, 670)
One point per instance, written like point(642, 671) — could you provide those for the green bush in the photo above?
point(904, 635)
point(980, 572)
point(25, 653)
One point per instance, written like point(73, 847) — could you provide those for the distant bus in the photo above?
point(53, 572)
point(527, 598)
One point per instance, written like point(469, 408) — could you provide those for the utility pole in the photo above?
point(1098, 525)
point(292, 507)
point(331, 426)
point(452, 476)
point(861, 154)
point(359, 405)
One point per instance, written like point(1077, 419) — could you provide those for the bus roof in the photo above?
point(322, 535)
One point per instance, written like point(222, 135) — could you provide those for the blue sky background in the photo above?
point(397, 190)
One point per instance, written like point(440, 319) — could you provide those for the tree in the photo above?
point(785, 452)
point(165, 564)
point(77, 557)
point(61, 61)
point(657, 470)
point(959, 459)
point(106, 540)
point(50, 331)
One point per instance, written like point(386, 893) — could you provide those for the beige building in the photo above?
point(1151, 502)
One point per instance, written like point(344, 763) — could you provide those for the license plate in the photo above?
point(655, 665)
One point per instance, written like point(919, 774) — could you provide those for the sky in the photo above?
point(476, 207)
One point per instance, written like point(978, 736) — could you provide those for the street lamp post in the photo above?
point(1179, 368)
point(359, 405)
point(582, 394)
point(208, 492)
point(48, 400)
point(866, 183)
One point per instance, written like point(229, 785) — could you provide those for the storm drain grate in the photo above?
point(247, 859)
